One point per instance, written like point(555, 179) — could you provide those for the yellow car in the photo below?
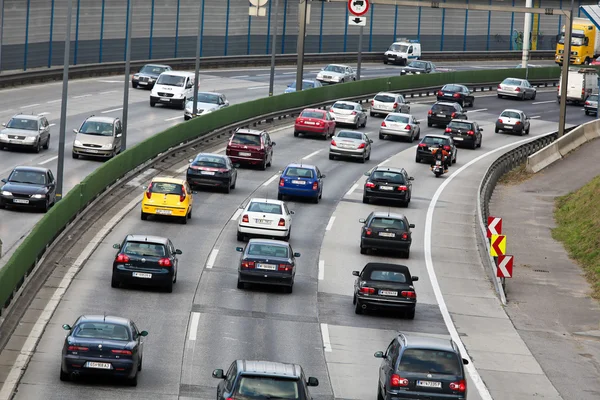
point(169, 197)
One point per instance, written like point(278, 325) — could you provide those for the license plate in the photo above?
point(457, 138)
point(508, 126)
point(91, 151)
point(263, 221)
point(98, 365)
point(391, 58)
point(448, 94)
point(345, 146)
point(141, 275)
point(15, 141)
point(164, 212)
point(386, 188)
point(388, 293)
point(299, 182)
point(142, 83)
point(243, 154)
point(207, 173)
point(165, 99)
point(270, 267)
point(20, 201)
point(441, 115)
point(429, 384)
point(387, 234)
point(309, 123)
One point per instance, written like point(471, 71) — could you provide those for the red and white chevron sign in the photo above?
point(505, 267)
point(494, 226)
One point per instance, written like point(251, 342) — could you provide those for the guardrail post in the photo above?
point(371, 27)
point(489, 26)
point(249, 28)
point(49, 36)
point(0, 248)
point(443, 25)
point(75, 50)
point(466, 25)
point(321, 27)
point(227, 28)
point(102, 31)
point(346, 30)
point(284, 24)
point(151, 30)
point(26, 36)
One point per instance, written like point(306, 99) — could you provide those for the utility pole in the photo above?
point(1, 31)
point(274, 51)
point(301, 37)
point(562, 119)
point(360, 39)
point(197, 69)
point(127, 72)
point(526, 35)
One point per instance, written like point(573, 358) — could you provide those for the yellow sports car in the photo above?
point(169, 197)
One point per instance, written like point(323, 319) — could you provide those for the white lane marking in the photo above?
point(82, 96)
point(384, 162)
point(182, 169)
point(479, 384)
point(330, 224)
point(48, 160)
point(321, 270)
point(263, 75)
point(325, 335)
point(352, 189)
point(44, 113)
point(236, 215)
point(222, 149)
point(174, 118)
point(535, 116)
point(481, 109)
point(283, 128)
point(52, 125)
point(314, 153)
point(258, 87)
point(106, 81)
point(194, 325)
point(30, 105)
point(289, 73)
point(54, 101)
point(271, 179)
point(108, 91)
point(212, 258)
point(239, 76)
point(39, 327)
point(113, 110)
point(544, 102)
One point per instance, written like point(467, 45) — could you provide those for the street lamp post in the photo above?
point(565, 72)
point(197, 69)
point(274, 51)
point(526, 36)
point(127, 72)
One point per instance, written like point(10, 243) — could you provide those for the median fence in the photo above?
point(24, 259)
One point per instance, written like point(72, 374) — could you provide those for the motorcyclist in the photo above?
point(441, 155)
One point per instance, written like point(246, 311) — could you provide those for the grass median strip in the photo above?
point(578, 228)
point(515, 176)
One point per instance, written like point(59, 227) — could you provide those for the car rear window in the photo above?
point(313, 114)
point(593, 97)
point(265, 208)
point(511, 114)
point(390, 223)
point(431, 140)
point(299, 172)
point(446, 109)
point(144, 249)
point(384, 98)
point(246, 139)
point(267, 250)
point(263, 387)
point(166, 188)
point(343, 106)
point(512, 82)
point(388, 276)
point(397, 118)
point(430, 361)
point(452, 88)
point(101, 330)
point(350, 135)
point(209, 161)
point(388, 176)
point(460, 125)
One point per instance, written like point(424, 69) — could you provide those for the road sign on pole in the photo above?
point(360, 21)
point(494, 226)
point(257, 9)
point(505, 267)
point(358, 7)
point(498, 245)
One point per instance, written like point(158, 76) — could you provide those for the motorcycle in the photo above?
point(438, 168)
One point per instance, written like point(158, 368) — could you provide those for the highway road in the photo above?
point(103, 96)
point(183, 348)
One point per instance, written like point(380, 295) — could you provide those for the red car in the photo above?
point(250, 147)
point(315, 122)
point(596, 61)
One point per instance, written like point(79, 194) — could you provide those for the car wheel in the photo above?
point(133, 381)
point(264, 165)
point(175, 277)
point(152, 103)
point(358, 308)
point(279, 196)
point(316, 200)
point(369, 156)
point(534, 94)
point(190, 214)
point(331, 157)
point(296, 134)
point(587, 112)
point(410, 314)
point(364, 125)
point(499, 96)
point(454, 160)
point(342, 81)
point(325, 136)
point(186, 118)
point(288, 236)
point(527, 131)
point(184, 219)
point(407, 253)
point(364, 250)
point(472, 103)
point(182, 106)
point(38, 146)
point(480, 141)
point(354, 299)
point(371, 113)
point(240, 285)
point(234, 182)
point(144, 216)
point(366, 200)
point(474, 145)
point(47, 144)
point(46, 206)
point(240, 237)
point(169, 287)
point(288, 289)
point(417, 160)
point(114, 283)
point(379, 395)
point(363, 159)
point(385, 62)
point(64, 376)
point(140, 364)
point(228, 188)
point(381, 136)
point(134, 85)
point(496, 130)
point(429, 124)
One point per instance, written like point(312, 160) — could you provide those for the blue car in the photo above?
point(306, 84)
point(301, 180)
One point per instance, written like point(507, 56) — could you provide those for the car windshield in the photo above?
point(170, 80)
point(209, 161)
point(435, 141)
point(397, 118)
point(430, 361)
point(265, 208)
point(593, 97)
point(246, 139)
point(388, 176)
point(512, 82)
point(144, 249)
point(265, 387)
point(577, 37)
point(305, 85)
point(23, 123)
point(101, 330)
point(452, 88)
point(460, 125)
point(389, 276)
point(400, 48)
point(350, 135)
point(343, 106)
point(418, 64)
point(97, 128)
point(31, 177)
point(385, 98)
point(313, 114)
point(166, 188)
point(335, 68)
point(389, 223)
point(152, 69)
point(443, 108)
point(511, 114)
point(207, 98)
point(299, 172)
point(267, 250)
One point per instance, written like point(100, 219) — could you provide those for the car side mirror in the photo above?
point(411, 178)
point(116, 246)
point(74, 130)
point(415, 278)
point(297, 254)
point(323, 69)
point(144, 333)
point(3, 180)
point(417, 123)
point(356, 273)
point(177, 251)
point(194, 192)
point(41, 128)
point(480, 129)
point(236, 165)
point(273, 143)
point(368, 173)
point(3, 124)
point(312, 381)
point(290, 85)
point(323, 176)
point(407, 102)
point(465, 361)
point(226, 102)
point(191, 160)
point(218, 373)
point(411, 225)
point(292, 212)
point(379, 354)
point(67, 327)
point(119, 134)
point(189, 86)
point(239, 249)
point(362, 221)
point(370, 140)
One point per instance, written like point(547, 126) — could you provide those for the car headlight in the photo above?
point(319, 76)
point(208, 111)
point(30, 138)
point(38, 196)
point(3, 136)
point(336, 78)
point(6, 193)
point(107, 146)
point(136, 76)
point(418, 72)
point(78, 143)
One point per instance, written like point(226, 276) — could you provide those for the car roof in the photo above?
point(314, 109)
point(391, 169)
point(99, 118)
point(215, 93)
point(104, 318)
point(463, 120)
point(337, 65)
point(454, 84)
point(516, 79)
point(252, 367)
point(387, 94)
point(444, 103)
point(385, 214)
point(388, 266)
point(436, 135)
point(512, 110)
point(265, 200)
point(269, 241)
point(307, 166)
point(427, 342)
point(249, 131)
point(157, 65)
point(400, 114)
point(31, 169)
point(211, 155)
point(347, 102)
point(27, 116)
point(168, 180)
point(147, 238)
point(178, 73)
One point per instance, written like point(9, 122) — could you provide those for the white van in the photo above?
point(402, 51)
point(173, 88)
point(582, 83)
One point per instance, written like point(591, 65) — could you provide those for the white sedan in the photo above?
point(266, 218)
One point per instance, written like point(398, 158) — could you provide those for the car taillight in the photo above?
point(447, 148)
point(165, 262)
point(281, 182)
point(459, 386)
point(368, 231)
point(448, 130)
point(383, 124)
point(422, 145)
point(333, 143)
point(77, 348)
point(456, 95)
point(245, 218)
point(367, 290)
point(395, 106)
point(499, 86)
point(407, 127)
point(500, 121)
point(518, 123)
point(402, 188)
point(149, 191)
point(453, 115)
point(320, 123)
point(285, 267)
point(122, 352)
point(298, 120)
point(370, 185)
point(440, 93)
point(409, 294)
point(430, 112)
point(404, 236)
point(470, 133)
point(582, 92)
point(281, 222)
point(182, 196)
point(398, 381)
point(122, 258)
point(315, 185)
point(587, 103)
point(372, 102)
point(248, 264)
point(353, 112)
point(361, 146)
point(517, 89)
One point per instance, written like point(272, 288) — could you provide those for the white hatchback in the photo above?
point(265, 218)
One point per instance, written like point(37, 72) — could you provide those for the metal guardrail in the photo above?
point(112, 68)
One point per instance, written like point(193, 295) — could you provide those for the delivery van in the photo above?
point(172, 89)
point(582, 82)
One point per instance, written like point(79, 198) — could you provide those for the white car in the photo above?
point(266, 218)
point(336, 73)
point(207, 102)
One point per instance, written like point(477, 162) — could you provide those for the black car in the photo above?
point(432, 141)
point(102, 345)
point(442, 112)
point(457, 93)
point(29, 187)
point(145, 260)
point(385, 286)
point(148, 75)
point(248, 379)
point(268, 262)
point(419, 67)
point(386, 231)
point(388, 183)
point(212, 170)
point(465, 133)
point(421, 367)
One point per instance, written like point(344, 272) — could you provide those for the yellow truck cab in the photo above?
point(585, 42)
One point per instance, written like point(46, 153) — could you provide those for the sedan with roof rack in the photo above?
point(98, 136)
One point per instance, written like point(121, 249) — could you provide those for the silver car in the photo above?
point(336, 73)
point(591, 105)
point(207, 102)
point(98, 137)
point(384, 103)
point(26, 131)
point(515, 121)
point(514, 87)
point(348, 113)
point(401, 125)
point(351, 144)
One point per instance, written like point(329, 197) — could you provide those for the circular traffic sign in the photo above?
point(358, 7)
point(258, 3)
